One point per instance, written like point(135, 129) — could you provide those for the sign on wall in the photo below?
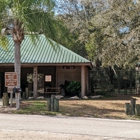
point(48, 78)
point(11, 79)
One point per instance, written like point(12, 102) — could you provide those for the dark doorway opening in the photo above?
point(2, 85)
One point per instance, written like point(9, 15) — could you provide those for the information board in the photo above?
point(11, 79)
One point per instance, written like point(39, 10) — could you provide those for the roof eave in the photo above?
point(49, 64)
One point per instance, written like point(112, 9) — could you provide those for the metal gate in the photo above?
point(123, 82)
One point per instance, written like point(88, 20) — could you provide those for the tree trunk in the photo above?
point(17, 64)
point(18, 35)
point(17, 67)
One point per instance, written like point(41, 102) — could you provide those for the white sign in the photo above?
point(48, 78)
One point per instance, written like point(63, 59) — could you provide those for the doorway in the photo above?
point(2, 85)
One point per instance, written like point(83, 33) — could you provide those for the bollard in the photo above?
point(133, 104)
point(26, 92)
point(5, 99)
point(56, 105)
point(52, 102)
point(49, 104)
point(137, 110)
point(127, 109)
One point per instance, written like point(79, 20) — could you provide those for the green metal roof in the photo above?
point(40, 52)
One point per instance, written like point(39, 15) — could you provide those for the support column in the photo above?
point(83, 81)
point(87, 80)
point(35, 73)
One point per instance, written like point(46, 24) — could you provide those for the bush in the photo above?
point(74, 86)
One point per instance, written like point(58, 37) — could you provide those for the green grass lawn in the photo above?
point(34, 107)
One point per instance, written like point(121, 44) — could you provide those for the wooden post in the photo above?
point(127, 109)
point(35, 74)
point(26, 92)
point(5, 99)
point(11, 98)
point(133, 104)
point(10, 90)
point(137, 110)
point(52, 102)
point(56, 105)
point(17, 100)
point(86, 80)
point(49, 104)
point(83, 81)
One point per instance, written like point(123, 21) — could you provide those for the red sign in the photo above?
point(11, 79)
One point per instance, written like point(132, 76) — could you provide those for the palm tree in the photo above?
point(20, 17)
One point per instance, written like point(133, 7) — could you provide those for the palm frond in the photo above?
point(36, 16)
point(4, 42)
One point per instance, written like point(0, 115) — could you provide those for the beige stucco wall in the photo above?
point(67, 74)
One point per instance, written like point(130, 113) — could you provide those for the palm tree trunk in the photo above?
point(17, 64)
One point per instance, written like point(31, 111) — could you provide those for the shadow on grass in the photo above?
point(89, 111)
point(70, 108)
point(120, 97)
point(80, 108)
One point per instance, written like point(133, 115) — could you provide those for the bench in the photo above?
point(52, 90)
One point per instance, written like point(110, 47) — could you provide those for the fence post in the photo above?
point(5, 99)
point(56, 105)
point(26, 92)
point(49, 104)
point(133, 104)
point(52, 102)
point(137, 110)
point(127, 109)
